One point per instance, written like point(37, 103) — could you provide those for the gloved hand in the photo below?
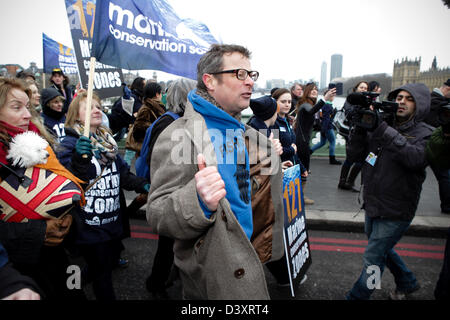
point(377, 120)
point(56, 230)
point(126, 92)
point(84, 147)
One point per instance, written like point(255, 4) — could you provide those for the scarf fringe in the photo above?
point(105, 148)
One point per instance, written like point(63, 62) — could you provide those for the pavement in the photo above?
point(339, 210)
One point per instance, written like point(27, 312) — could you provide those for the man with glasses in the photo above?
point(393, 174)
point(206, 202)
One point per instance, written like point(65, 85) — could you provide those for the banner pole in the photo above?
point(90, 89)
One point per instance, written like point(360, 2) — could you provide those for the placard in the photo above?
point(296, 243)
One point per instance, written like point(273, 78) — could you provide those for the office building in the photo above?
point(336, 66)
point(323, 75)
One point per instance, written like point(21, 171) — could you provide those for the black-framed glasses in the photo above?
point(241, 74)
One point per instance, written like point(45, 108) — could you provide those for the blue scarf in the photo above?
point(227, 137)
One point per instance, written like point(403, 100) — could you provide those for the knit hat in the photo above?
point(49, 94)
point(264, 107)
point(447, 83)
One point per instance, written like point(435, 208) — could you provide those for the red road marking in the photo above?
point(141, 228)
point(364, 243)
point(406, 253)
point(356, 246)
point(322, 247)
point(141, 235)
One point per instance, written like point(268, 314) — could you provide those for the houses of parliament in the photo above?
point(408, 71)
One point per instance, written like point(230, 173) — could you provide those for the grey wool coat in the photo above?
point(215, 258)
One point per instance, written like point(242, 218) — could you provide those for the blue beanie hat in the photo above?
point(264, 107)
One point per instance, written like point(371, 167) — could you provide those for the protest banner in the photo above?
point(57, 55)
point(107, 79)
point(148, 35)
point(296, 242)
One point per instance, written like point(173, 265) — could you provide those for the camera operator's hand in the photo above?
point(330, 94)
point(376, 121)
point(390, 119)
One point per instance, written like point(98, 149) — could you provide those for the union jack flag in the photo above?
point(48, 196)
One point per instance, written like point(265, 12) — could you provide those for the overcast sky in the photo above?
point(289, 39)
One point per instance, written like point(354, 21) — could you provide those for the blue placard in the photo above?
point(296, 241)
point(57, 55)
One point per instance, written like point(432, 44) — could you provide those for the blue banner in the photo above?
point(148, 35)
point(107, 79)
point(296, 242)
point(57, 55)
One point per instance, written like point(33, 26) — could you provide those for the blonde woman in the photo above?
point(97, 161)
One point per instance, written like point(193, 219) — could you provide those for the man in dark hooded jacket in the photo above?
point(393, 173)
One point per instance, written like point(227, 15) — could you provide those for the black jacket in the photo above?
point(23, 241)
point(392, 186)
point(305, 121)
point(437, 100)
point(118, 118)
point(287, 138)
point(258, 124)
point(10, 279)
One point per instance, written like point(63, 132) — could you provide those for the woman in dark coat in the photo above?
point(306, 108)
point(350, 169)
point(151, 110)
point(286, 132)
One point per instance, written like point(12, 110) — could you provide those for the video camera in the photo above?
point(367, 118)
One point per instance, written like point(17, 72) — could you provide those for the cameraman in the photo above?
point(393, 173)
point(438, 155)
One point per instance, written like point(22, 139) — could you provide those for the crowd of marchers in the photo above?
point(219, 215)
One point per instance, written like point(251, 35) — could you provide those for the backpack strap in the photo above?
point(141, 164)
